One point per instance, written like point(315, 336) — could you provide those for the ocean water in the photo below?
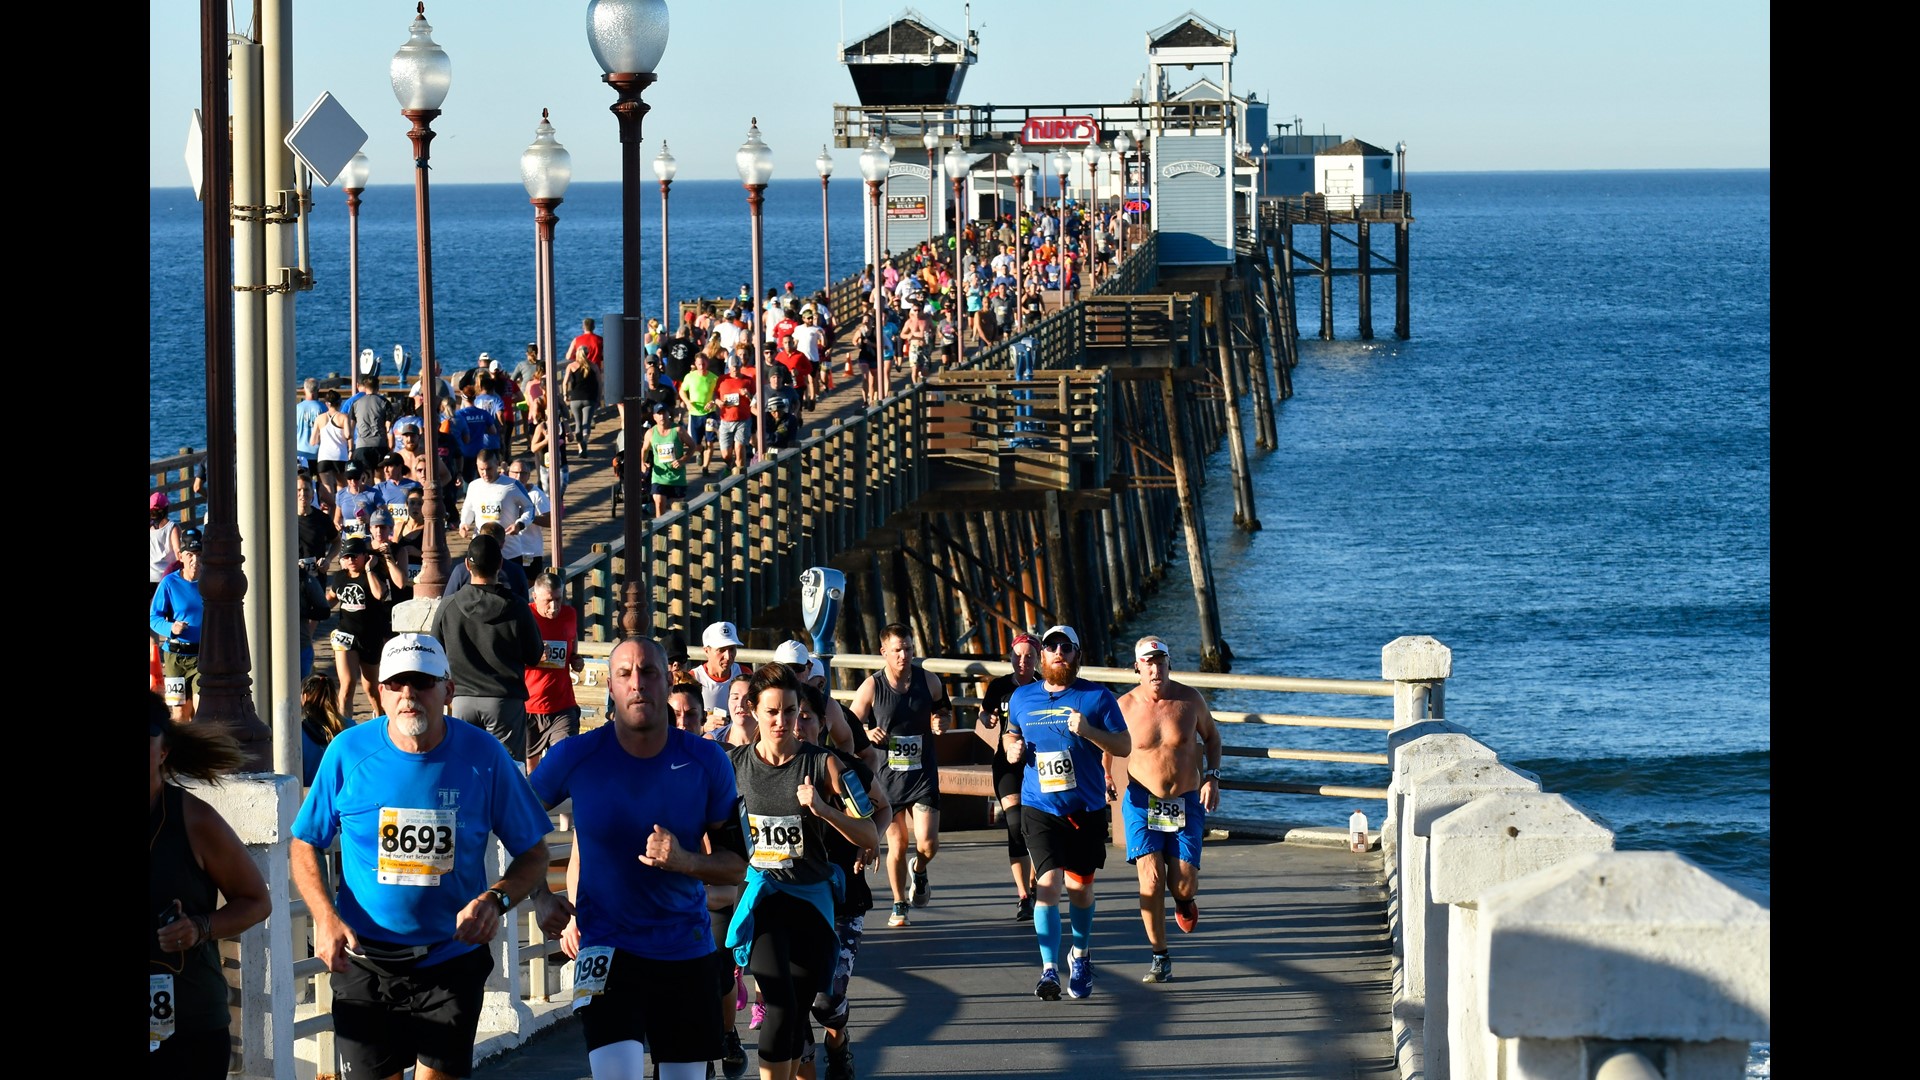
point(1564, 475)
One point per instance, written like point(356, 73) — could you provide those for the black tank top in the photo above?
point(794, 845)
point(199, 989)
point(902, 714)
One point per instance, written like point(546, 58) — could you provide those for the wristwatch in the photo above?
point(1210, 774)
point(506, 902)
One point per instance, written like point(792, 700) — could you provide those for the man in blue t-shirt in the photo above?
point(412, 799)
point(1058, 729)
point(304, 414)
point(649, 801)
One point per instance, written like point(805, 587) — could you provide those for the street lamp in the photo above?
point(874, 164)
point(887, 148)
point(1094, 160)
point(627, 38)
point(958, 162)
point(1061, 163)
point(546, 169)
point(755, 163)
point(1401, 169)
point(1018, 163)
point(354, 179)
point(1264, 149)
point(664, 167)
point(1140, 144)
point(1123, 145)
point(422, 74)
point(824, 165)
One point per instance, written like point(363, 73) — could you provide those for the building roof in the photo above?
point(911, 34)
point(1191, 31)
point(1358, 148)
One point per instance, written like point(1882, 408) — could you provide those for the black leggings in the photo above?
point(1016, 838)
point(793, 951)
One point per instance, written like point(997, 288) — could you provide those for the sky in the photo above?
point(1497, 85)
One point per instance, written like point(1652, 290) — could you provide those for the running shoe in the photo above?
point(1186, 914)
point(1161, 969)
point(1048, 988)
point(899, 916)
point(1024, 913)
point(759, 1014)
point(733, 1056)
point(1080, 981)
point(919, 891)
point(840, 1063)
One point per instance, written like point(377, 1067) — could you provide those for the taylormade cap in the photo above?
point(413, 652)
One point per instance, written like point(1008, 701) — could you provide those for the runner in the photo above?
point(901, 707)
point(649, 799)
point(412, 798)
point(1168, 795)
point(1058, 729)
point(783, 930)
point(721, 642)
point(1025, 658)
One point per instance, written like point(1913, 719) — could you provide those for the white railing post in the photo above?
point(1413, 750)
point(1642, 948)
point(1421, 666)
point(1430, 796)
point(1490, 841)
point(504, 1011)
point(260, 807)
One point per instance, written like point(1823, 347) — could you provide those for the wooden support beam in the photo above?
point(1213, 652)
point(1366, 282)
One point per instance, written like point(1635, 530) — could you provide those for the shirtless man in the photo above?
point(1168, 795)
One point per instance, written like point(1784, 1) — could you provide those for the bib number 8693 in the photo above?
point(416, 839)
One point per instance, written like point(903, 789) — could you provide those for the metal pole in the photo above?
point(353, 279)
point(544, 220)
point(433, 542)
point(668, 324)
point(959, 267)
point(826, 250)
point(629, 110)
point(756, 198)
point(879, 320)
point(1019, 257)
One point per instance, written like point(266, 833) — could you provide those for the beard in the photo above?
point(1057, 672)
point(412, 727)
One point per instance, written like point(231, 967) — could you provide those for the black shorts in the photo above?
point(647, 1000)
point(1076, 843)
point(671, 492)
point(384, 1019)
point(903, 789)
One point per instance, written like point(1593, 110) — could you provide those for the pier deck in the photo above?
point(1286, 976)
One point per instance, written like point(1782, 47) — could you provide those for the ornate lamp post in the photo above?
point(546, 169)
point(755, 163)
point(1401, 168)
point(824, 165)
point(1123, 146)
point(1094, 157)
point(354, 179)
point(1146, 177)
point(873, 169)
point(1264, 147)
point(422, 74)
point(887, 148)
point(664, 167)
point(1018, 163)
point(1061, 163)
point(628, 38)
point(957, 163)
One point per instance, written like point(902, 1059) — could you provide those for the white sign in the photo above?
point(1175, 168)
point(905, 169)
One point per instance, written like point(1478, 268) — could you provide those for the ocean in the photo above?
point(1564, 475)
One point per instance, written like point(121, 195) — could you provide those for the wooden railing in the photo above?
point(1054, 432)
point(1315, 209)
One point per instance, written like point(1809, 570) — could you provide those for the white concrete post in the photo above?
point(1412, 750)
point(1430, 796)
point(261, 808)
point(1490, 841)
point(1421, 666)
point(503, 1010)
point(1634, 946)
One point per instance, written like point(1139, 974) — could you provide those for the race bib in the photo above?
point(733, 399)
point(160, 1009)
point(667, 455)
point(341, 640)
point(416, 846)
point(904, 753)
point(590, 970)
point(1056, 770)
point(489, 512)
point(776, 840)
point(554, 655)
point(174, 690)
point(1166, 815)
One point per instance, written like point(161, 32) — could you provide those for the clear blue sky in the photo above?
point(1498, 85)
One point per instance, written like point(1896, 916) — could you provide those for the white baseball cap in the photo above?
point(413, 652)
point(720, 635)
point(816, 669)
point(1061, 631)
point(1148, 647)
point(792, 652)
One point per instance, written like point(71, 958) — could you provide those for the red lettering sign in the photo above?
point(1060, 130)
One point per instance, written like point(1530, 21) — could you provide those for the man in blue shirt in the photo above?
point(174, 617)
point(304, 414)
point(1057, 730)
point(655, 822)
point(412, 799)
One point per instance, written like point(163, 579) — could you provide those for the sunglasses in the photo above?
point(415, 680)
point(1060, 647)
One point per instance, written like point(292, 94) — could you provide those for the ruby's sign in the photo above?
point(1057, 130)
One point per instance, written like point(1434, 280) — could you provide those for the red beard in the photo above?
point(1059, 673)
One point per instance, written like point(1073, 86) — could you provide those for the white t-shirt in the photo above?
point(808, 339)
point(504, 501)
point(728, 332)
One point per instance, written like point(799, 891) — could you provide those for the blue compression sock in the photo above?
point(1081, 919)
point(1046, 927)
